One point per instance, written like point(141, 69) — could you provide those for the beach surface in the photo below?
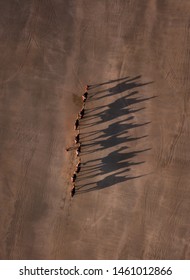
point(132, 196)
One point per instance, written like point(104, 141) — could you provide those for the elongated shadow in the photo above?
point(93, 86)
point(112, 141)
point(118, 108)
point(123, 87)
point(127, 79)
point(114, 130)
point(115, 167)
point(108, 181)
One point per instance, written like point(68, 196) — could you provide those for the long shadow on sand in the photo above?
point(115, 166)
point(126, 84)
point(121, 106)
point(108, 82)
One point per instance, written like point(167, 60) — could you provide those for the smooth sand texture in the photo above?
point(133, 191)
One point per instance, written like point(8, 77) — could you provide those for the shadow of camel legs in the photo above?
point(115, 118)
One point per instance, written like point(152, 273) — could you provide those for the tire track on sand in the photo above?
point(174, 143)
point(28, 43)
point(15, 229)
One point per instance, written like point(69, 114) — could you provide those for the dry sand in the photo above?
point(133, 191)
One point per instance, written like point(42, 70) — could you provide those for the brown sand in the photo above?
point(133, 190)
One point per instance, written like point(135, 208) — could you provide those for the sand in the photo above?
point(133, 190)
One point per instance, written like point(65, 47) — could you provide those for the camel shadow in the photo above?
point(113, 138)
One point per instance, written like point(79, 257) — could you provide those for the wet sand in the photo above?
point(133, 191)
